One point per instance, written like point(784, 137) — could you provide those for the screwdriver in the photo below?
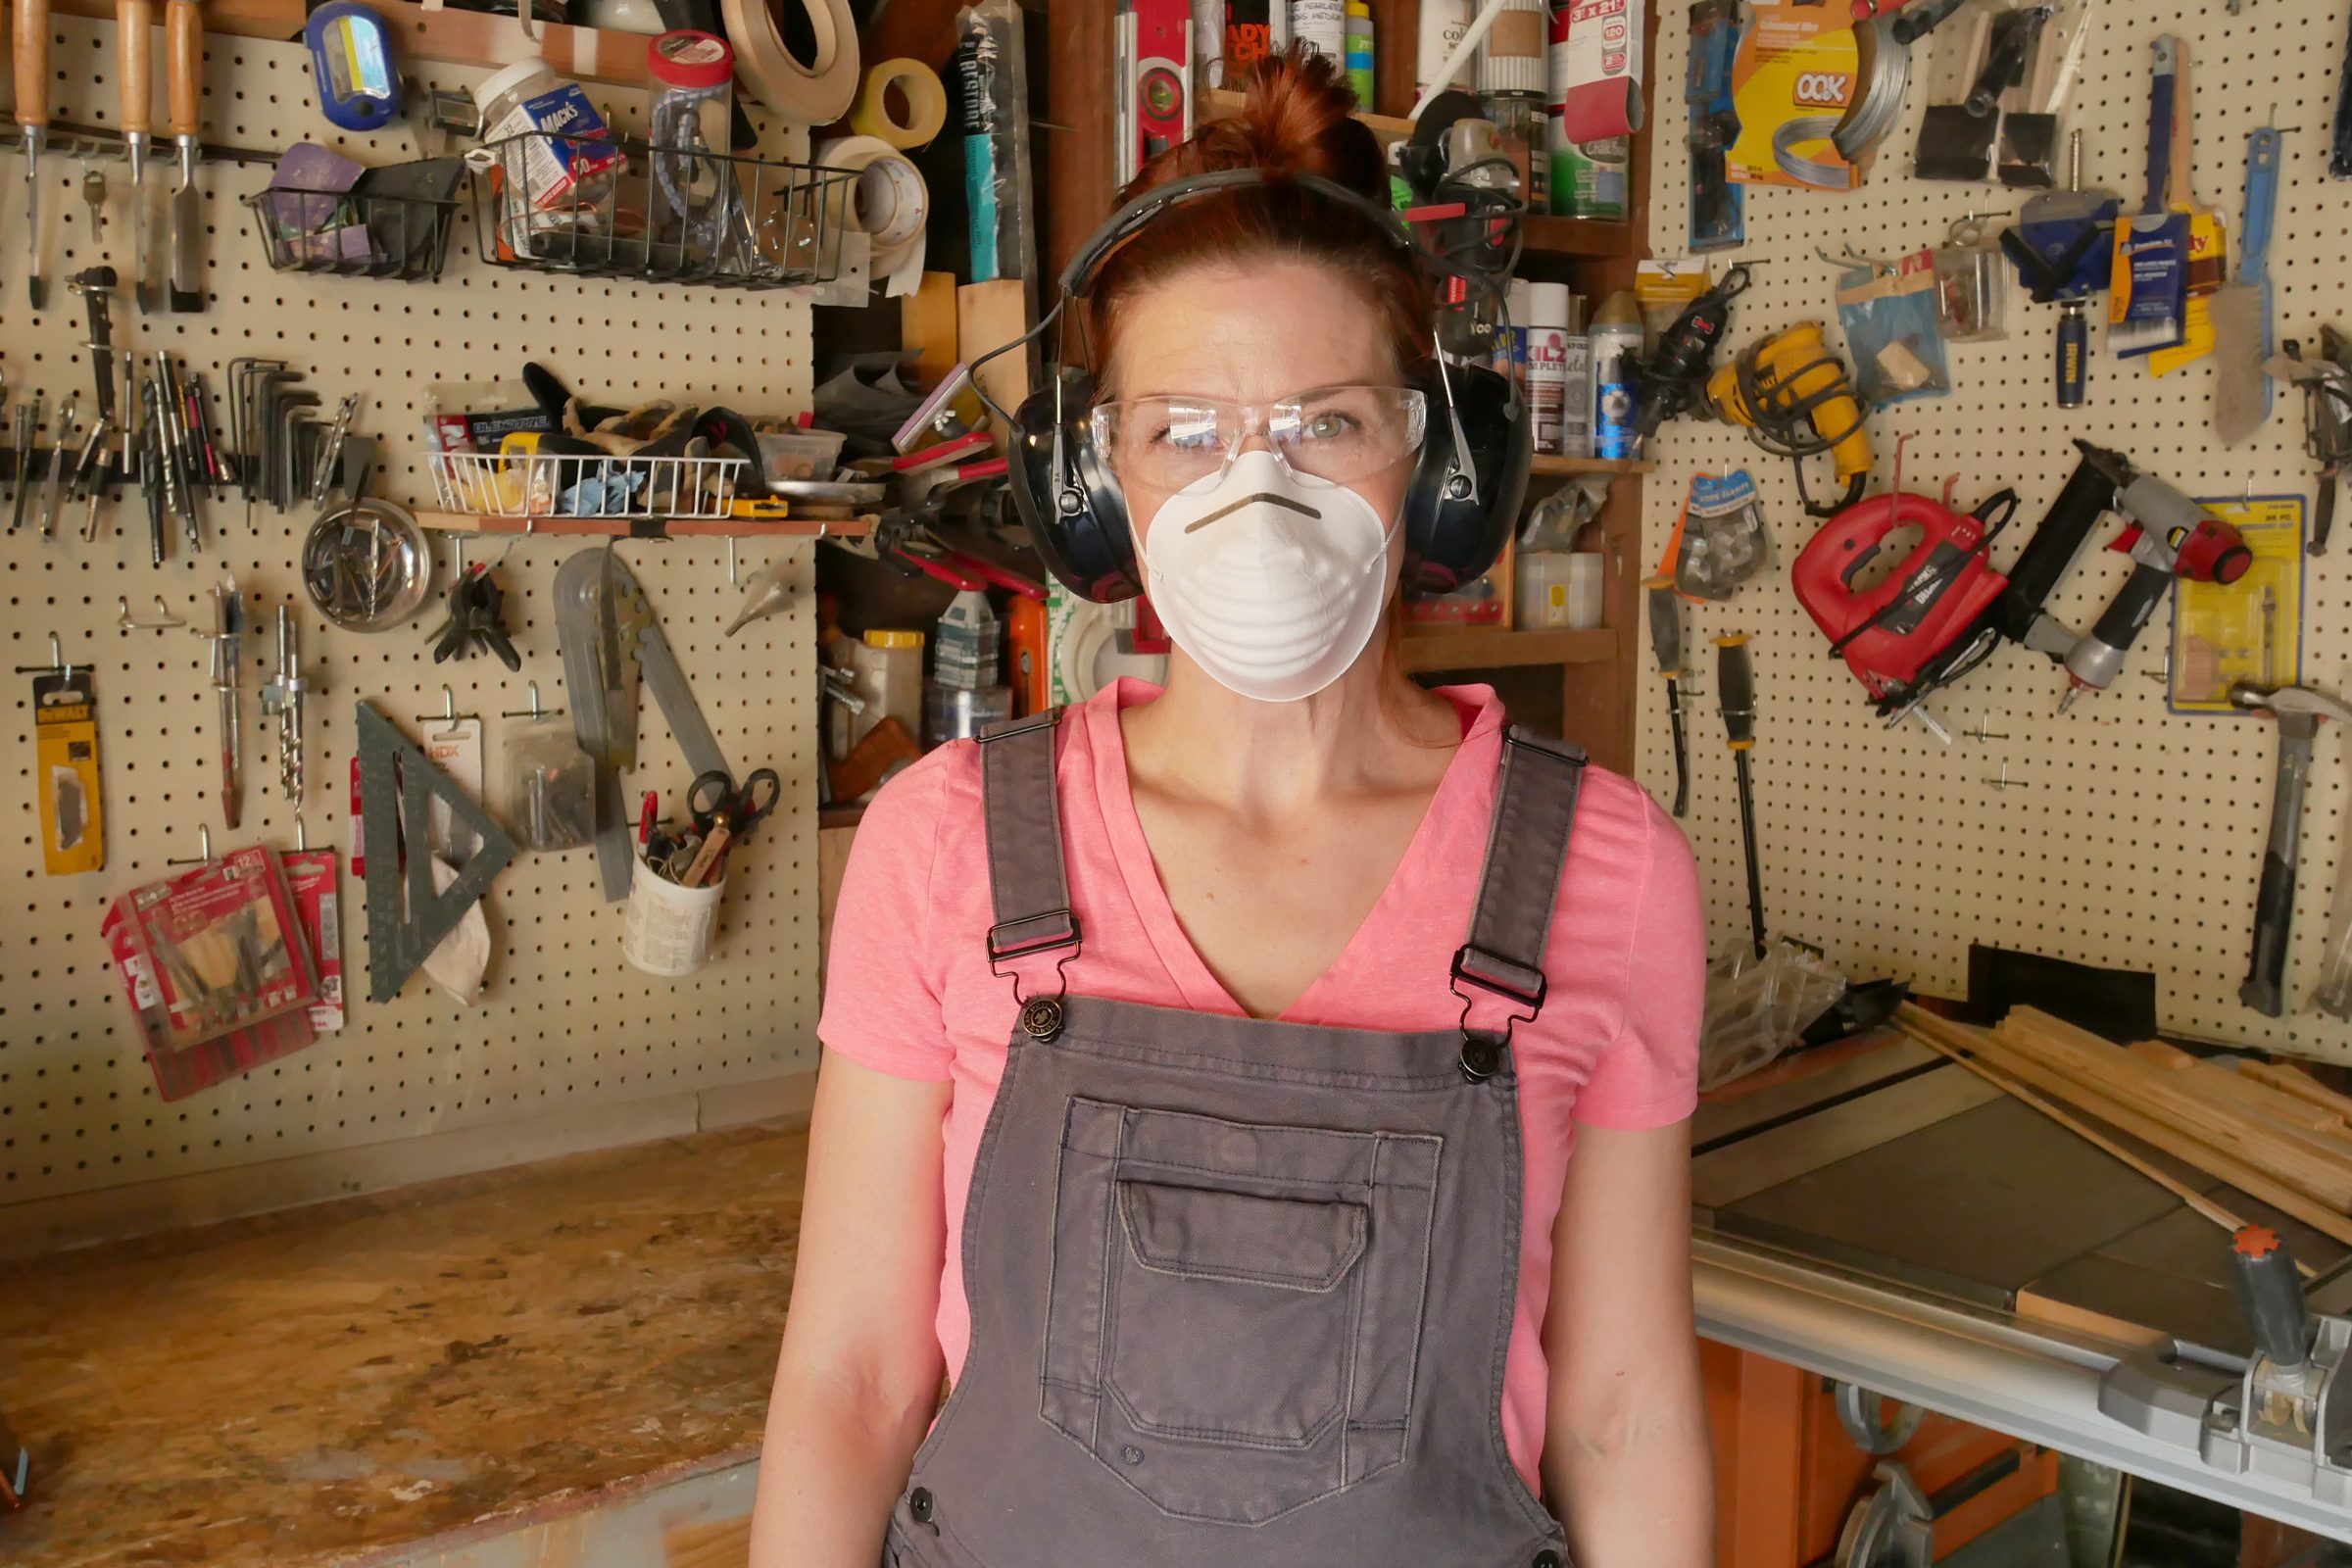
point(1735, 700)
point(1666, 641)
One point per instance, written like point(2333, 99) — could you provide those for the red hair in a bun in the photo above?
point(1295, 120)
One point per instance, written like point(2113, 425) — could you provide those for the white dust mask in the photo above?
point(1272, 581)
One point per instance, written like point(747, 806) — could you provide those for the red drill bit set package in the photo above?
point(222, 963)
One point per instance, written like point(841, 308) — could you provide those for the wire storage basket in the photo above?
point(619, 206)
point(535, 484)
point(352, 234)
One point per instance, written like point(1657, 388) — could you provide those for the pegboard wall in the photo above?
point(563, 1024)
point(2119, 834)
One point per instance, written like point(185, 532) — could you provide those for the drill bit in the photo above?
point(284, 696)
point(51, 489)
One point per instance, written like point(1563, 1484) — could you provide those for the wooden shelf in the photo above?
point(1576, 238)
point(642, 528)
point(1428, 648)
point(1218, 103)
point(1563, 467)
point(442, 36)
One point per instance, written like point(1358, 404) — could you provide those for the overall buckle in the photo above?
point(1027, 938)
point(1482, 1054)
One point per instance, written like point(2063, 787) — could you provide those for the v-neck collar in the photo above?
point(1468, 780)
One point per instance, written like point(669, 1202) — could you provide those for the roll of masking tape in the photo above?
point(926, 104)
point(813, 92)
point(888, 202)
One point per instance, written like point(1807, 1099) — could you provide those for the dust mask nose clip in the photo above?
point(1270, 580)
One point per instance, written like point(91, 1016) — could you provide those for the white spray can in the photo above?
point(1547, 366)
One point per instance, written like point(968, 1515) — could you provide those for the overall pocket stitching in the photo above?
point(1221, 1435)
point(1307, 1284)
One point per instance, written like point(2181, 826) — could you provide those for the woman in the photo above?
point(1158, 1111)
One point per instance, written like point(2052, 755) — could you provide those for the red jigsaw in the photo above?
point(1929, 599)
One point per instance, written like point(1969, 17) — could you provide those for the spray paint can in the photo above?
point(1359, 52)
point(1547, 366)
point(1575, 409)
point(1616, 379)
point(1322, 27)
point(1443, 23)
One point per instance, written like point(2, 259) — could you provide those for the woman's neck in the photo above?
point(1372, 729)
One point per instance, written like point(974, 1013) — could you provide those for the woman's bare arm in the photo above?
point(860, 1372)
point(1626, 1461)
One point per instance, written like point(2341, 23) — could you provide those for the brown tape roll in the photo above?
point(815, 94)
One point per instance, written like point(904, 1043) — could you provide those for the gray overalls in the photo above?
point(1240, 1289)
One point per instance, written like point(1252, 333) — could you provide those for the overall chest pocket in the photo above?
point(1236, 1307)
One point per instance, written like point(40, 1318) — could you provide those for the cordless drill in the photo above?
point(1676, 375)
point(2170, 536)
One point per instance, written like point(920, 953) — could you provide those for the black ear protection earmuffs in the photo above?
point(1459, 509)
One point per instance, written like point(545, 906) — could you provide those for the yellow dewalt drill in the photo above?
point(1791, 393)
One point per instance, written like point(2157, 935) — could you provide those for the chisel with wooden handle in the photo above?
point(183, 88)
point(135, 69)
point(32, 120)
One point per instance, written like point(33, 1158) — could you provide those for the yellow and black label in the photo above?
point(65, 718)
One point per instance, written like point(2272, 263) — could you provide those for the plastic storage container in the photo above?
point(545, 172)
point(887, 669)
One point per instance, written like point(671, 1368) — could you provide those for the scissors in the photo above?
point(713, 796)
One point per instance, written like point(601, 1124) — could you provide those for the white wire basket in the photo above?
point(545, 485)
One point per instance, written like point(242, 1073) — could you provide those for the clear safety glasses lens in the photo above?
point(1336, 433)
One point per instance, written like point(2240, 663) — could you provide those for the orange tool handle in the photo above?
point(32, 63)
point(134, 55)
point(183, 65)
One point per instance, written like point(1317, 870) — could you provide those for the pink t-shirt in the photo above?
point(909, 992)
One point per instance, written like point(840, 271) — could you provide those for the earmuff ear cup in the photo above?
point(1066, 496)
point(1463, 504)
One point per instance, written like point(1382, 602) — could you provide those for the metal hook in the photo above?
point(449, 713)
point(204, 848)
point(731, 582)
point(534, 711)
point(124, 620)
point(57, 664)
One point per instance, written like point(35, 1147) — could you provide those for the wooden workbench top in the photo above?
point(334, 1385)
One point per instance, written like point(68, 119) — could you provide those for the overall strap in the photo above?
point(1527, 846)
point(1027, 884)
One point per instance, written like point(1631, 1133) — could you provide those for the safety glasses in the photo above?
point(1335, 433)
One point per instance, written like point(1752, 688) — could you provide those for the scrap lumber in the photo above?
point(2170, 1140)
point(1955, 1042)
point(2255, 1098)
point(2311, 1165)
point(2298, 1083)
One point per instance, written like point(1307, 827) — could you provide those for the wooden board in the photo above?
point(2311, 1165)
point(332, 1384)
point(2289, 1080)
point(2247, 1094)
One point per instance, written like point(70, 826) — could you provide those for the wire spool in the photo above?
point(926, 104)
point(817, 93)
point(1813, 171)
